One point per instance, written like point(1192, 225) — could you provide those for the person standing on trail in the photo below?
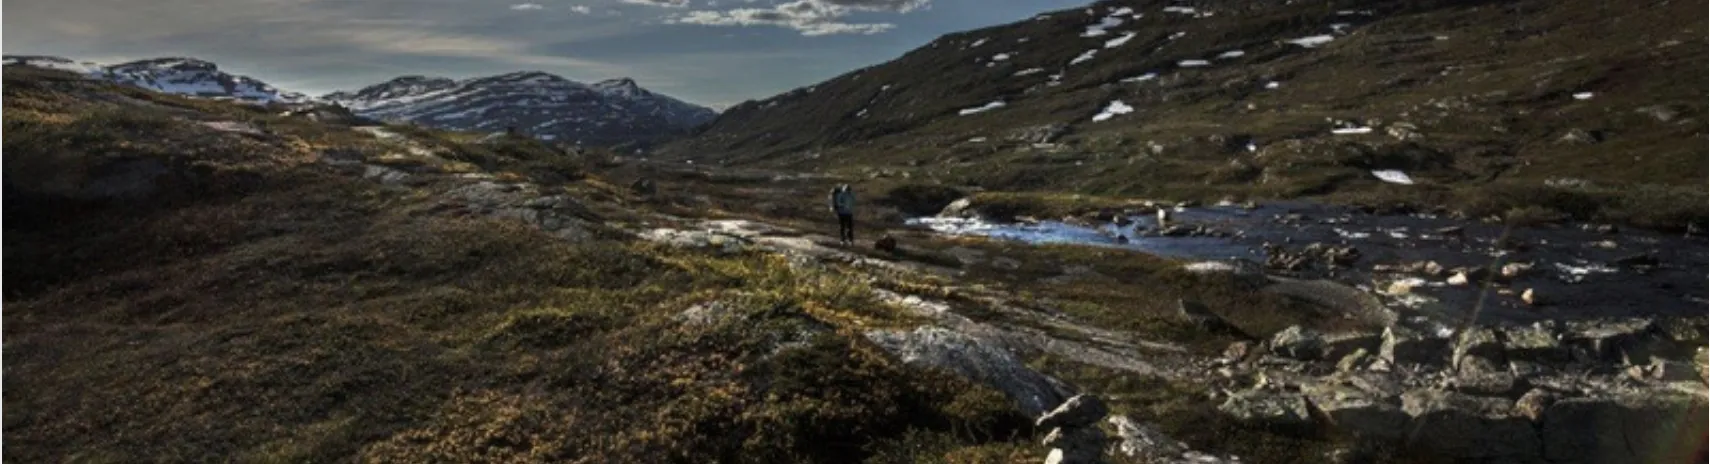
point(843, 203)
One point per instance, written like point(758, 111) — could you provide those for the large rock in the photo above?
point(1468, 427)
point(1631, 341)
point(1080, 411)
point(1076, 445)
point(1405, 347)
point(1539, 343)
point(977, 359)
point(1268, 407)
point(1641, 427)
point(1356, 411)
point(1479, 376)
point(1299, 343)
point(1479, 342)
point(1144, 441)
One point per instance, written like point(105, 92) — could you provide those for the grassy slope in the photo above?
point(1490, 101)
point(276, 311)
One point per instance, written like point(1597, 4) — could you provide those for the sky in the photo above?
point(710, 52)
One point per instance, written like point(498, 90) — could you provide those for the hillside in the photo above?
point(1586, 108)
point(606, 113)
point(180, 76)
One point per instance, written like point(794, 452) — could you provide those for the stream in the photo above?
point(1578, 272)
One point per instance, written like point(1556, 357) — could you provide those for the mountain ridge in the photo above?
point(177, 75)
point(610, 112)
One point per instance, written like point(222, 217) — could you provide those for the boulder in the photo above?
point(1482, 342)
point(1357, 360)
point(1144, 441)
point(1356, 411)
point(1076, 445)
point(1467, 427)
point(1645, 426)
point(1513, 271)
point(1268, 407)
point(1402, 346)
point(1079, 411)
point(1299, 343)
point(1533, 404)
point(975, 358)
point(958, 208)
point(1628, 342)
point(1340, 345)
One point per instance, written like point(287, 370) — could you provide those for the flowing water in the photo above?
point(1576, 271)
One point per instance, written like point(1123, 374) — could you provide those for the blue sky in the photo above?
point(711, 52)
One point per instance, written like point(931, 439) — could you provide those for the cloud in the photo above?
point(810, 17)
point(660, 3)
point(581, 9)
point(526, 6)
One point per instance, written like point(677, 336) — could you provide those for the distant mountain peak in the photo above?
point(548, 106)
point(176, 75)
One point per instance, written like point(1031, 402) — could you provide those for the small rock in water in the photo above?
point(1460, 278)
point(1530, 297)
point(1607, 229)
point(1607, 244)
point(1452, 231)
point(1514, 270)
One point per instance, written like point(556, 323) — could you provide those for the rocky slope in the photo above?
point(182, 76)
point(547, 106)
point(1274, 99)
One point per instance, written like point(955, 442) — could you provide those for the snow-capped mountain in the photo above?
point(184, 76)
point(609, 112)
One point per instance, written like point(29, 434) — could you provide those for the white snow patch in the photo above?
point(1100, 28)
point(1351, 130)
point(977, 140)
point(862, 113)
point(1340, 27)
point(1116, 107)
point(981, 109)
point(1193, 63)
point(1583, 96)
point(1231, 54)
point(1142, 77)
point(1029, 71)
point(981, 41)
point(1392, 176)
point(1122, 11)
point(1117, 42)
point(1180, 10)
point(1088, 55)
point(1000, 57)
point(1272, 85)
point(1313, 41)
point(1178, 35)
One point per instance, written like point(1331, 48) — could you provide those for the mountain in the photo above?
point(609, 112)
point(183, 76)
point(1277, 99)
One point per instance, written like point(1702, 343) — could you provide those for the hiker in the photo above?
point(843, 203)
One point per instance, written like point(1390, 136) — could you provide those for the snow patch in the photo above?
point(1272, 85)
point(1088, 55)
point(1180, 10)
point(1231, 54)
point(1193, 63)
point(1029, 71)
point(1142, 77)
point(1100, 28)
point(1392, 176)
point(1117, 107)
point(1351, 130)
point(1178, 35)
point(981, 109)
point(1312, 41)
point(1583, 96)
point(1117, 42)
point(1000, 57)
point(981, 41)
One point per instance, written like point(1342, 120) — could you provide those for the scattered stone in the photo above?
point(644, 187)
point(1623, 341)
point(1405, 347)
point(1539, 342)
point(1480, 376)
point(886, 244)
point(1075, 445)
point(1482, 342)
point(1079, 411)
point(1201, 317)
point(1533, 404)
point(1468, 427)
point(1299, 343)
point(1432, 268)
point(1354, 361)
point(1356, 411)
point(1530, 297)
point(1578, 137)
point(1268, 407)
point(1515, 270)
point(1340, 345)
point(1606, 244)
